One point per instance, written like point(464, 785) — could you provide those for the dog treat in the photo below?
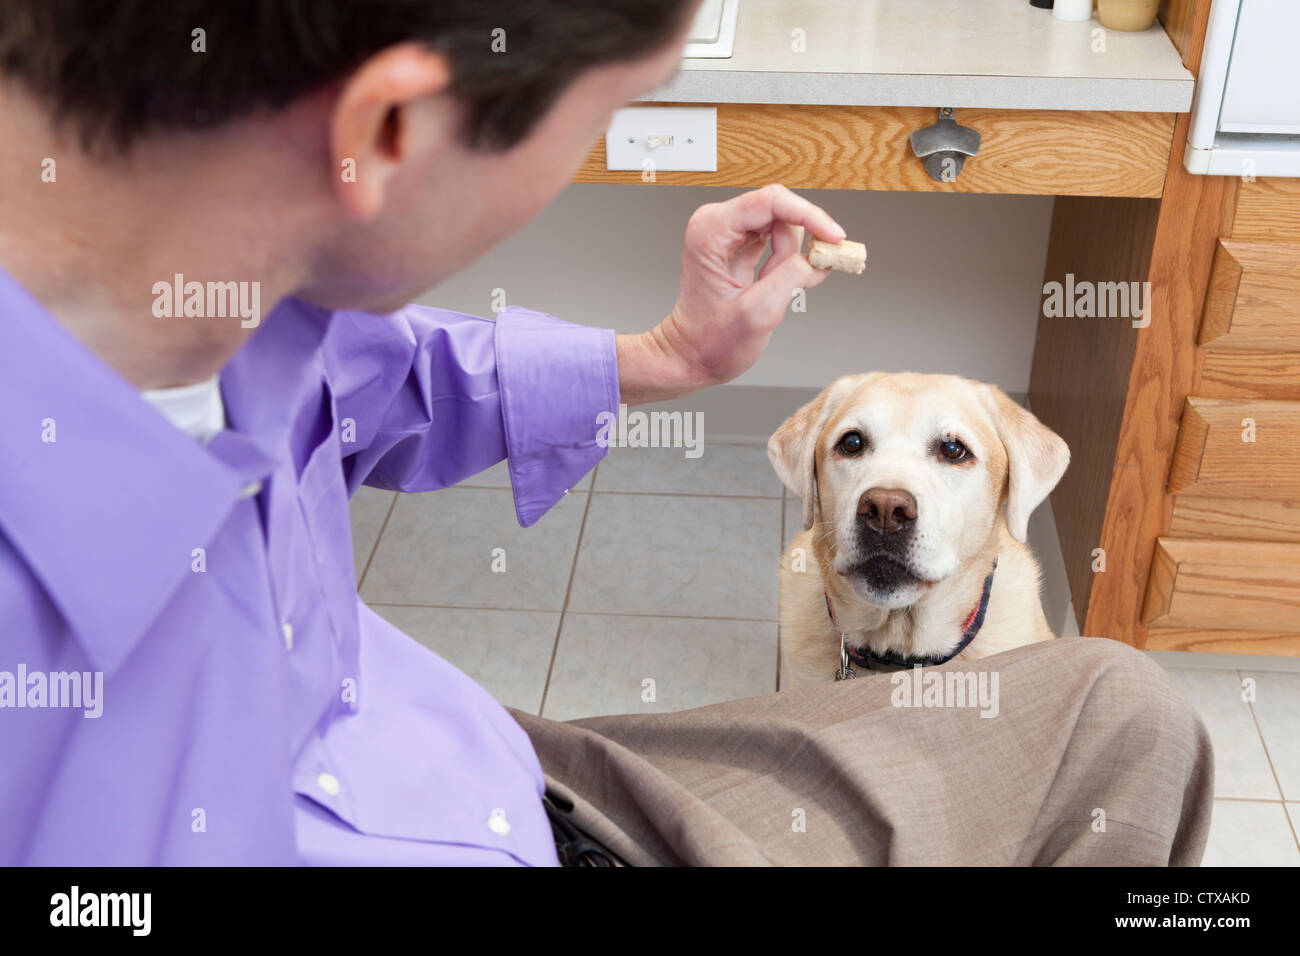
point(846, 256)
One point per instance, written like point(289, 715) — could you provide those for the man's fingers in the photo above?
point(767, 299)
point(787, 240)
point(758, 210)
point(745, 259)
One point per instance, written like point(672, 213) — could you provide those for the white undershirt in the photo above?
point(197, 410)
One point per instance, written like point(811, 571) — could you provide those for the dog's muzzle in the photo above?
point(885, 526)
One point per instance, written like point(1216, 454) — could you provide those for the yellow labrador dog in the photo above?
point(916, 492)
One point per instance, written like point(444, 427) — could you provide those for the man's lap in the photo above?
point(1088, 755)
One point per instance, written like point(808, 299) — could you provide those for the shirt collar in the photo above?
point(104, 499)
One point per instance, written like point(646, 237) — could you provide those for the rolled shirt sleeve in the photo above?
point(426, 397)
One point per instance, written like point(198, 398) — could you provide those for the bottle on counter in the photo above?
point(1072, 9)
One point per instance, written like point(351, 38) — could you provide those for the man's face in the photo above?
point(449, 206)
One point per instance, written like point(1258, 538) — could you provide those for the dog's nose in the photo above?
point(887, 510)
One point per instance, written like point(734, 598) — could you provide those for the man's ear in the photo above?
point(389, 108)
point(792, 449)
point(1036, 458)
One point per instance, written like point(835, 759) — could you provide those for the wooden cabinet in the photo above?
point(1225, 569)
point(1228, 571)
point(1180, 516)
point(1044, 152)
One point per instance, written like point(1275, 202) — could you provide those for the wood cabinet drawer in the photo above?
point(1199, 640)
point(1247, 449)
point(1253, 300)
point(1227, 585)
point(1229, 374)
point(1235, 518)
point(1030, 152)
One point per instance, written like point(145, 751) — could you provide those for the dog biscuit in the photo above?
point(846, 256)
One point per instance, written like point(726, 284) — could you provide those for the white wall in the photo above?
point(953, 282)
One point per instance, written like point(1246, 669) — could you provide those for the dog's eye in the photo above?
point(852, 443)
point(953, 450)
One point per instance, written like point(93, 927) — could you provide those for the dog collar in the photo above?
point(863, 657)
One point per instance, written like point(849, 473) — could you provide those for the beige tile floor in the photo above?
point(652, 586)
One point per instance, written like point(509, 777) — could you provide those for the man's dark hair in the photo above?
point(118, 70)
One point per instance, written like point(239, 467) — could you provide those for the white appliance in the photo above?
point(1246, 113)
point(713, 33)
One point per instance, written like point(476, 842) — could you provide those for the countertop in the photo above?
point(999, 54)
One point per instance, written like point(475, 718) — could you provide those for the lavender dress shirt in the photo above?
point(251, 710)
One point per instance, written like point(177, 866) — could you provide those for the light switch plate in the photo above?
point(685, 138)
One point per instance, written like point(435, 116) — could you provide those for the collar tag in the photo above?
point(845, 671)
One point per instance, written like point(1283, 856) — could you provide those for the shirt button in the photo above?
point(288, 634)
point(498, 823)
point(250, 489)
point(329, 783)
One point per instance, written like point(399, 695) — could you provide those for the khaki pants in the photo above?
point(1093, 758)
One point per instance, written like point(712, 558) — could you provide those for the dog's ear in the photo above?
point(1036, 458)
point(792, 449)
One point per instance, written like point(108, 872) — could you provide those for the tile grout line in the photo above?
point(653, 494)
point(1277, 781)
point(1262, 742)
point(1252, 800)
point(552, 610)
point(1290, 821)
point(374, 548)
point(564, 608)
point(778, 596)
point(688, 494)
point(1262, 663)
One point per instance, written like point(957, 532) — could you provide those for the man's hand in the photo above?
point(724, 316)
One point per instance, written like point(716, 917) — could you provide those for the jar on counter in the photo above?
point(1127, 15)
